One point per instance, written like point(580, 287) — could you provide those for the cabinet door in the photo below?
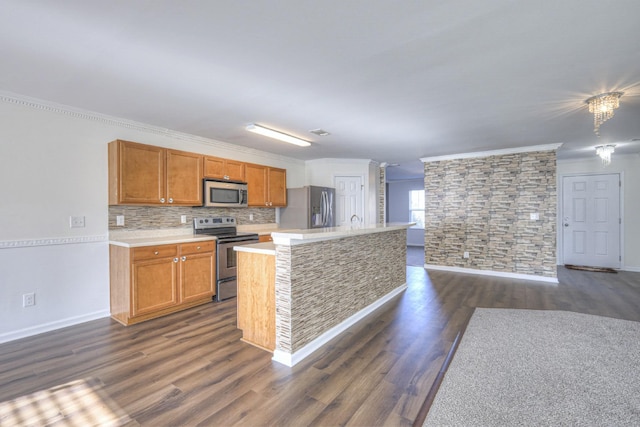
point(197, 277)
point(235, 170)
point(140, 175)
point(265, 238)
point(218, 168)
point(277, 187)
point(256, 185)
point(184, 178)
point(197, 271)
point(153, 285)
point(214, 167)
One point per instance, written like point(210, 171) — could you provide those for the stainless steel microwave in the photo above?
point(225, 194)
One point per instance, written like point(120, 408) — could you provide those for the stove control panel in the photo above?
point(213, 222)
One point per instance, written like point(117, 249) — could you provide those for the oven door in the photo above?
point(227, 268)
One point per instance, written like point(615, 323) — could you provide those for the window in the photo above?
point(416, 208)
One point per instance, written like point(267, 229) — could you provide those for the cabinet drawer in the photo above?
point(149, 252)
point(198, 247)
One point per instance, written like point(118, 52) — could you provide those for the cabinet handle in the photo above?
point(175, 260)
point(198, 247)
point(162, 200)
point(184, 258)
point(226, 177)
point(156, 253)
point(170, 200)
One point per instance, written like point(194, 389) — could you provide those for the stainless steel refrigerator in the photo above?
point(309, 207)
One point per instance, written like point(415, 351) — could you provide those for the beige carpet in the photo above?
point(542, 368)
point(79, 403)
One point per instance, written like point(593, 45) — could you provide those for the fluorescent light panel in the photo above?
point(277, 135)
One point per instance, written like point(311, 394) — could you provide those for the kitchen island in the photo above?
point(324, 281)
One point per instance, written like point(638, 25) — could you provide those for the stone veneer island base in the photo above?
point(325, 281)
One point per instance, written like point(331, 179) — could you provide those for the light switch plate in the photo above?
point(120, 220)
point(535, 216)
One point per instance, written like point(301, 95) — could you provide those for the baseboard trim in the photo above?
point(51, 326)
point(291, 359)
point(633, 269)
point(492, 273)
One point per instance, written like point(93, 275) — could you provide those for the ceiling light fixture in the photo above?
point(605, 152)
point(320, 132)
point(277, 135)
point(602, 107)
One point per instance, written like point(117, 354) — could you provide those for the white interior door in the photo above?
point(591, 220)
point(349, 199)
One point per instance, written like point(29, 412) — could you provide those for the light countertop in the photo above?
point(170, 236)
point(291, 237)
point(265, 248)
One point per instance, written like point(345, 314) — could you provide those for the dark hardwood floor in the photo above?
point(191, 368)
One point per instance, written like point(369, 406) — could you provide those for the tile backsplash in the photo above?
point(154, 217)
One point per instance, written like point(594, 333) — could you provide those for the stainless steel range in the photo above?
point(225, 229)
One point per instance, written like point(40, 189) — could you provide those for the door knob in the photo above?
point(566, 224)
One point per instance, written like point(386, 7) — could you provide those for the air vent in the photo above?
point(320, 132)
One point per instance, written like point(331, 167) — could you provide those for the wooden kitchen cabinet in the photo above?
point(152, 281)
point(198, 271)
point(257, 299)
point(141, 174)
point(267, 186)
point(265, 238)
point(226, 169)
point(184, 178)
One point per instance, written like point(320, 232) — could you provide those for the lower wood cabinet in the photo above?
point(257, 299)
point(151, 281)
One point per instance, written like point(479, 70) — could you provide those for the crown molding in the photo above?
point(52, 107)
point(501, 152)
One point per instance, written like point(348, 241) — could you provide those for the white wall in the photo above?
point(53, 164)
point(322, 172)
point(398, 203)
point(629, 167)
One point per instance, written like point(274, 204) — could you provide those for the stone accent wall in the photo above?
point(154, 217)
point(321, 284)
point(483, 206)
point(382, 197)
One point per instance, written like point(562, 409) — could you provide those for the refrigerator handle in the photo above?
point(323, 204)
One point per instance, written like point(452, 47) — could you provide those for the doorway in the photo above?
point(349, 199)
point(591, 221)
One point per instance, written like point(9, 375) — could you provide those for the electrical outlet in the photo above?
point(29, 300)
point(183, 219)
point(250, 217)
point(465, 255)
point(76, 221)
point(535, 216)
point(120, 220)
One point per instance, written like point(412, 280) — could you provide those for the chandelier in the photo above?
point(602, 107)
point(604, 152)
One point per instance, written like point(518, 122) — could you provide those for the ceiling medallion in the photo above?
point(602, 107)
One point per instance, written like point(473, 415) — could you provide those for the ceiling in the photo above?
point(391, 81)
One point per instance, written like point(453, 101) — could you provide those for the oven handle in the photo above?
point(237, 239)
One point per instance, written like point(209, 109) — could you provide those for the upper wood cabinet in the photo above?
point(142, 174)
point(267, 186)
point(218, 168)
point(184, 178)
